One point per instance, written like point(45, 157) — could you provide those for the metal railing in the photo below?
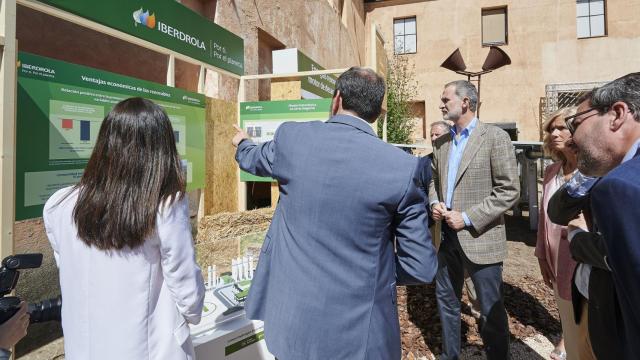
point(558, 96)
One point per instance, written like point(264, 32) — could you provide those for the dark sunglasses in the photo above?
point(570, 120)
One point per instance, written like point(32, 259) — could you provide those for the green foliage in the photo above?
point(401, 88)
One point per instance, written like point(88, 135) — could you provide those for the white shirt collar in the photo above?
point(632, 151)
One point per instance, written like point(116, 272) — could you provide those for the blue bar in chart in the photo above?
point(85, 130)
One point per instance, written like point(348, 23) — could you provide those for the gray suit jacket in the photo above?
point(325, 284)
point(486, 185)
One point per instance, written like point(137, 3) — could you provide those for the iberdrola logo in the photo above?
point(143, 18)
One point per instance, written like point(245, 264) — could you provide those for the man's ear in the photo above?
point(336, 103)
point(465, 104)
point(620, 111)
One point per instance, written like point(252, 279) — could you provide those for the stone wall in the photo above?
point(331, 36)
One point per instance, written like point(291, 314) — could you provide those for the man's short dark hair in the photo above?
point(586, 97)
point(625, 89)
point(362, 91)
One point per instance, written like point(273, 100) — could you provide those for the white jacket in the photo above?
point(127, 304)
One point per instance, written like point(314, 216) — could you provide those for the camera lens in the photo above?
point(46, 310)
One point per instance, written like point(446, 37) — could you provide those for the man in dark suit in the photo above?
point(438, 129)
point(350, 224)
point(606, 132)
point(596, 301)
point(424, 177)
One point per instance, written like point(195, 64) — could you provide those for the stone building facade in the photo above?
point(548, 41)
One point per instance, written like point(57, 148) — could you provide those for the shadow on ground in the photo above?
point(422, 313)
point(529, 304)
point(528, 315)
point(518, 230)
point(519, 351)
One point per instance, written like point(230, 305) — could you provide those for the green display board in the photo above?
point(166, 23)
point(60, 109)
point(319, 85)
point(261, 120)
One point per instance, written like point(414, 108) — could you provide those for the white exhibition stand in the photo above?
point(230, 337)
point(235, 341)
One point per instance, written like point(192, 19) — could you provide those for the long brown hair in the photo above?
point(133, 169)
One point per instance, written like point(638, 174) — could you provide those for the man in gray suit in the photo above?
point(325, 285)
point(474, 182)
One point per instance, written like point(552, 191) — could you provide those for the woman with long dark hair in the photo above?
point(122, 241)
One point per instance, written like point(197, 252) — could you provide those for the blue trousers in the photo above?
point(487, 280)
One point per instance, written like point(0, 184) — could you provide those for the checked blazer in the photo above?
point(486, 185)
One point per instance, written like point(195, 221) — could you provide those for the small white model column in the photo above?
point(214, 276)
point(234, 269)
point(250, 267)
point(245, 268)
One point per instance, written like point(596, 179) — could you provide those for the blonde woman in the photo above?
point(552, 248)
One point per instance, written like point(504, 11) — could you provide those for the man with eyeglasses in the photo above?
point(593, 294)
point(606, 134)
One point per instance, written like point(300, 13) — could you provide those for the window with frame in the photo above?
point(494, 26)
point(590, 18)
point(404, 35)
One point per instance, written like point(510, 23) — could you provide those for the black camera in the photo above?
point(47, 310)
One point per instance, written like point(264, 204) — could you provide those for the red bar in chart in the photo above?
point(67, 123)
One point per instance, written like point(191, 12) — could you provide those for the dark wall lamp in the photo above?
point(496, 58)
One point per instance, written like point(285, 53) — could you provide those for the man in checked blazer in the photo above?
point(474, 182)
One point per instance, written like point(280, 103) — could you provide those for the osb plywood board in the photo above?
point(221, 184)
point(285, 90)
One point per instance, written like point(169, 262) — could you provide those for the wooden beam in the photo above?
point(293, 76)
point(7, 138)
point(202, 74)
point(171, 71)
point(242, 186)
point(384, 128)
point(201, 192)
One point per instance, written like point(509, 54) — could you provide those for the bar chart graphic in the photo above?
point(73, 129)
point(85, 127)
